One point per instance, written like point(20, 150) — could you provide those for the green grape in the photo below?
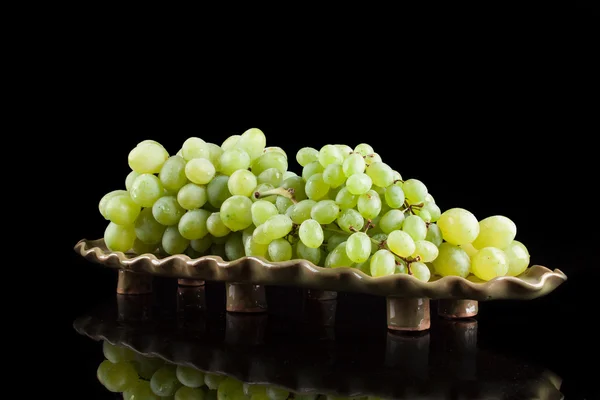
point(383, 263)
point(397, 176)
point(307, 155)
point(215, 225)
point(316, 188)
point(333, 192)
point(325, 212)
point(345, 149)
point(255, 391)
point(350, 218)
point(188, 393)
point(458, 226)
point(364, 149)
point(489, 263)
point(102, 370)
point(365, 267)
point(213, 381)
point(147, 366)
point(122, 210)
point(253, 141)
point(172, 174)
point(107, 197)
point(353, 164)
point(194, 148)
point(230, 142)
point(218, 250)
point(391, 221)
point(231, 389)
point(369, 204)
point(202, 244)
point(424, 215)
point(236, 213)
point(426, 250)
point(280, 250)
point(234, 247)
point(496, 231)
point(173, 242)
point(200, 171)
point(275, 149)
point(146, 189)
point(345, 199)
point(433, 209)
point(518, 258)
point(147, 158)
point(141, 390)
point(358, 247)
point(269, 160)
point(261, 211)
point(164, 381)
point(289, 174)
point(119, 237)
point(378, 239)
point(311, 233)
point(272, 176)
point(220, 239)
point(381, 174)
point(262, 235)
point(310, 169)
point(338, 257)
point(420, 271)
point(282, 204)
point(301, 211)
point(297, 183)
point(434, 235)
point(255, 249)
point(116, 354)
point(130, 178)
point(274, 393)
point(140, 247)
point(468, 247)
point(415, 191)
point(415, 227)
point(333, 175)
point(150, 141)
point(429, 198)
point(359, 183)
point(192, 196)
point(120, 377)
point(189, 376)
point(148, 229)
point(379, 190)
point(334, 240)
point(167, 211)
point(372, 158)
point(401, 243)
point(232, 160)
point(192, 224)
point(211, 395)
point(452, 260)
point(218, 190)
point(329, 154)
point(215, 153)
point(278, 226)
point(308, 253)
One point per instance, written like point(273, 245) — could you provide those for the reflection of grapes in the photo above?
point(202, 199)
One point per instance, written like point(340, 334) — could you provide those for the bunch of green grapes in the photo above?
point(347, 208)
point(144, 378)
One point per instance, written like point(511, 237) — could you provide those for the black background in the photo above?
point(496, 127)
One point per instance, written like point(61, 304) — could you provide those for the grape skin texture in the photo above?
point(495, 231)
point(458, 226)
point(489, 263)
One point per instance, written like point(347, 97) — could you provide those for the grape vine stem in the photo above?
point(289, 193)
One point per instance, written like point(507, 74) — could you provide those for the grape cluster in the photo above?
point(141, 377)
point(347, 208)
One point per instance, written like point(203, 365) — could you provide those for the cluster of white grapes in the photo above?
point(139, 377)
point(347, 208)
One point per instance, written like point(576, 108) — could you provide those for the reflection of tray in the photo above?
point(535, 282)
point(444, 363)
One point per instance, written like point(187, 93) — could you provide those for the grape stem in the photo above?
point(289, 193)
point(369, 225)
point(409, 207)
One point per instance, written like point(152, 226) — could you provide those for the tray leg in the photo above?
point(408, 352)
point(457, 308)
point(315, 294)
point(245, 298)
point(134, 308)
point(408, 314)
point(245, 329)
point(134, 283)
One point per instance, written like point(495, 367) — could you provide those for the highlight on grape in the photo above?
point(345, 208)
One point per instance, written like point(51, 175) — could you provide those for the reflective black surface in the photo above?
point(290, 347)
